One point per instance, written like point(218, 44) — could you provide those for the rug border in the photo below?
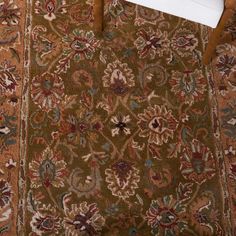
point(24, 120)
point(219, 150)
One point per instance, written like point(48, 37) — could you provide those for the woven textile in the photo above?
point(120, 134)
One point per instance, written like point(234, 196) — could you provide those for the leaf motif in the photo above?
point(174, 149)
point(4, 229)
point(60, 197)
point(15, 54)
point(103, 58)
point(31, 203)
point(69, 101)
point(184, 191)
point(64, 65)
point(132, 152)
point(155, 151)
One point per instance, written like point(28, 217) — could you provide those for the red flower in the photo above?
point(48, 169)
point(197, 162)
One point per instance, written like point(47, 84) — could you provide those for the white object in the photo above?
point(206, 12)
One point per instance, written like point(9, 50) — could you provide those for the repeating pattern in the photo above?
point(120, 134)
point(225, 75)
point(11, 75)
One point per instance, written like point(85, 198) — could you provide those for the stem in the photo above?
point(127, 108)
point(115, 150)
point(54, 30)
point(195, 194)
point(192, 232)
point(141, 223)
point(176, 27)
point(180, 59)
point(113, 110)
point(128, 141)
point(54, 62)
point(53, 200)
point(118, 201)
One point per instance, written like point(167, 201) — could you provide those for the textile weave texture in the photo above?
point(120, 134)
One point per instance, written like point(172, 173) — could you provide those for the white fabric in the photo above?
point(206, 12)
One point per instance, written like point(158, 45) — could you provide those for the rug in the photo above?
point(124, 133)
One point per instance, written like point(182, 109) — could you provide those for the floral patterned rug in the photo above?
point(124, 133)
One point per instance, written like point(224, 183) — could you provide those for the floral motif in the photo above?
point(119, 11)
point(122, 179)
point(232, 174)
point(8, 130)
point(47, 46)
point(197, 162)
point(231, 28)
point(50, 8)
point(158, 124)
point(161, 178)
point(47, 169)
point(84, 219)
point(166, 216)
point(47, 90)
point(6, 193)
point(120, 124)
point(8, 77)
point(151, 43)
point(80, 129)
point(82, 77)
point(184, 41)
point(9, 37)
point(45, 221)
point(10, 164)
point(189, 86)
point(83, 184)
point(147, 15)
point(6, 214)
point(9, 13)
point(226, 64)
point(80, 14)
point(119, 78)
point(204, 216)
point(81, 44)
point(151, 72)
point(228, 120)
